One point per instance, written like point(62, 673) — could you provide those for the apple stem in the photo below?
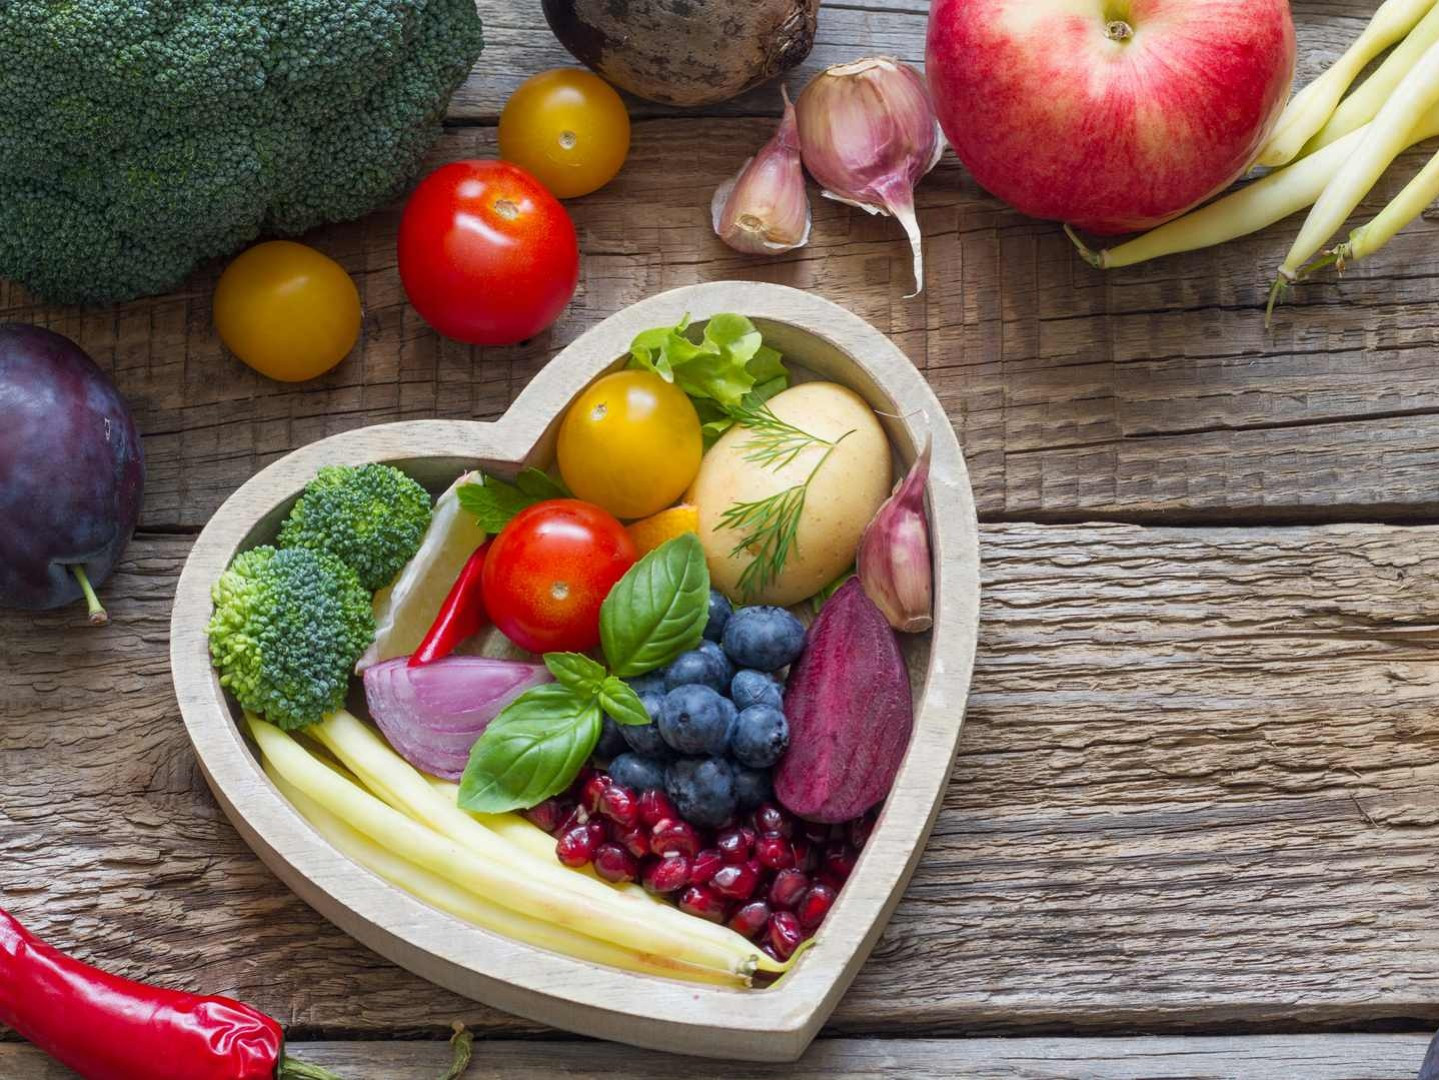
point(98, 615)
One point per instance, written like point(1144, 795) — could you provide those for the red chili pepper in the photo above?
point(461, 615)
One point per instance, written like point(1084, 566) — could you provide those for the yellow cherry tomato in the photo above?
point(568, 128)
point(631, 443)
point(287, 310)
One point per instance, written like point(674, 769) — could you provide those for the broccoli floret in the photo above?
point(370, 517)
point(139, 138)
point(287, 630)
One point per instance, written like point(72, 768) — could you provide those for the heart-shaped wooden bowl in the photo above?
point(776, 1023)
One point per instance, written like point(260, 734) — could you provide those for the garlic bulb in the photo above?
point(868, 134)
point(894, 557)
point(763, 208)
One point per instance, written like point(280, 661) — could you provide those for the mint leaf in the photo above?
point(576, 671)
point(532, 750)
point(658, 609)
point(622, 703)
point(496, 501)
point(541, 485)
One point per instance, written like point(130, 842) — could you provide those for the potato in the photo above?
point(842, 498)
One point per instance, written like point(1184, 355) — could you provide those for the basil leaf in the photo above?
point(541, 485)
point(532, 750)
point(658, 609)
point(622, 703)
point(576, 671)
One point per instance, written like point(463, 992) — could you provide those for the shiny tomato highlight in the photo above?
point(487, 255)
point(549, 570)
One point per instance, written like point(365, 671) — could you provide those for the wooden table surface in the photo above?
point(1193, 830)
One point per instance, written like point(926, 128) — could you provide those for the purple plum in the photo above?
point(72, 472)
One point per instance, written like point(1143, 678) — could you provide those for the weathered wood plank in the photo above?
point(1196, 789)
point(1313, 1057)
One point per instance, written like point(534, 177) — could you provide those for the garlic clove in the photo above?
point(894, 562)
point(868, 134)
point(764, 209)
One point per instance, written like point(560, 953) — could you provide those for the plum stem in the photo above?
point(98, 615)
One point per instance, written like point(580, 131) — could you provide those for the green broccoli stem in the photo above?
point(98, 615)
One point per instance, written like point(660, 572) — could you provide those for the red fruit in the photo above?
point(614, 863)
point(598, 831)
point(768, 949)
point(666, 875)
point(582, 778)
point(787, 888)
point(774, 852)
point(735, 882)
point(548, 815)
point(636, 841)
point(769, 818)
point(576, 846)
point(705, 864)
point(806, 855)
point(704, 902)
point(785, 933)
point(576, 816)
point(858, 830)
point(750, 919)
point(814, 905)
point(838, 863)
point(655, 806)
point(618, 803)
point(736, 844)
point(590, 794)
point(671, 836)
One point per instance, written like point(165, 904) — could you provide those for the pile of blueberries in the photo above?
point(717, 723)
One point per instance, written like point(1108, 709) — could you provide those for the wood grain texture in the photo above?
point(1152, 394)
point(1313, 1057)
point(1196, 792)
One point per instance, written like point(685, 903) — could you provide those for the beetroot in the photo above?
point(850, 712)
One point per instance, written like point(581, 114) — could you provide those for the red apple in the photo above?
point(1112, 115)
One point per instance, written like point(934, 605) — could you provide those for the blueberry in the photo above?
point(696, 720)
point(702, 790)
point(695, 668)
point(720, 661)
point(637, 773)
point(752, 787)
point(612, 741)
point(720, 612)
point(653, 683)
point(750, 687)
point(644, 739)
point(765, 638)
point(760, 736)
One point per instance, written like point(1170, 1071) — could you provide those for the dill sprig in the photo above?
point(773, 443)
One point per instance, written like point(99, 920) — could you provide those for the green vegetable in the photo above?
point(728, 365)
point(370, 517)
point(494, 502)
point(287, 629)
point(658, 609)
point(530, 751)
point(537, 744)
point(143, 138)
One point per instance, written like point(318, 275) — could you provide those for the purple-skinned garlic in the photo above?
point(894, 564)
point(764, 209)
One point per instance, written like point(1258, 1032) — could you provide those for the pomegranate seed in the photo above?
point(574, 818)
point(636, 841)
point(666, 875)
point(704, 902)
point(705, 864)
point(785, 933)
point(548, 815)
point(614, 863)
point(735, 882)
point(806, 855)
point(576, 847)
point(750, 919)
point(758, 868)
point(577, 785)
point(769, 818)
point(858, 831)
point(839, 862)
point(618, 803)
point(598, 831)
point(591, 792)
point(736, 844)
point(814, 905)
point(788, 886)
point(655, 806)
point(671, 836)
point(768, 949)
point(774, 852)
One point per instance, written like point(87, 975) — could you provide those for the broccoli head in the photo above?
point(370, 517)
point(287, 630)
point(141, 137)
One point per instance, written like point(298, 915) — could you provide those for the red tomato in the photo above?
point(487, 255)
point(549, 570)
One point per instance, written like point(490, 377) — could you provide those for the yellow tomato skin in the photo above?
point(287, 310)
point(568, 128)
point(631, 443)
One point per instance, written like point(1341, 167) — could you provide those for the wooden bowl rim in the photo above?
point(771, 1024)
